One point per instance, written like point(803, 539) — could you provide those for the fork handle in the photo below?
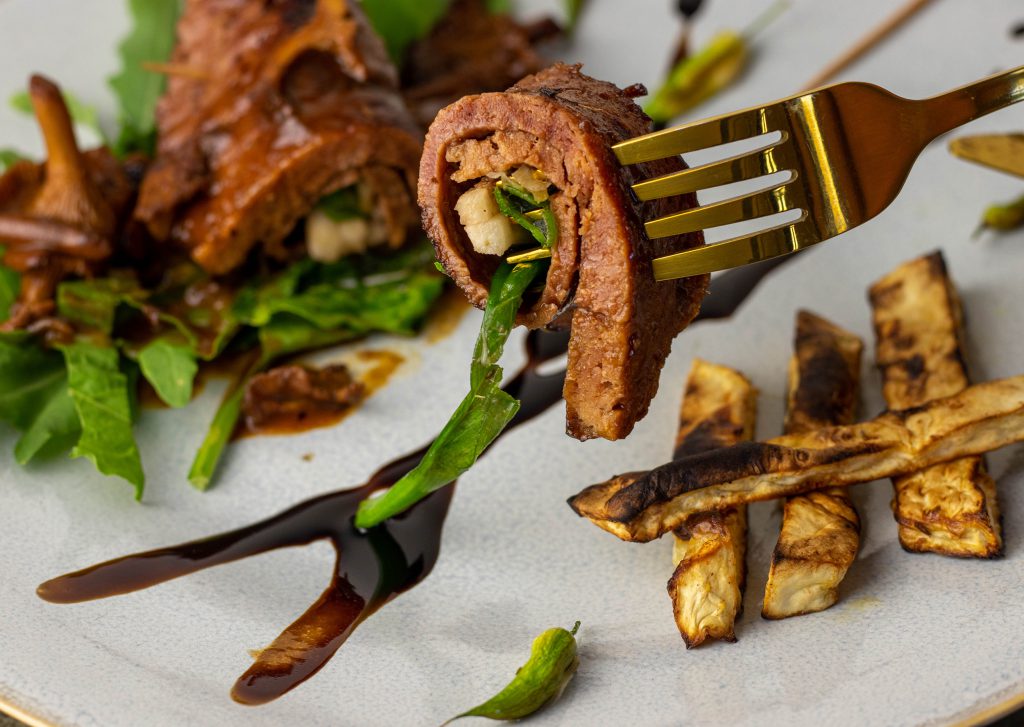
point(967, 103)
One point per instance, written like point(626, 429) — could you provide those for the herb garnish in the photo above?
point(515, 202)
point(552, 663)
point(698, 77)
point(1004, 217)
point(481, 416)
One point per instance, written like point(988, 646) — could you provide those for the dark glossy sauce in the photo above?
point(372, 567)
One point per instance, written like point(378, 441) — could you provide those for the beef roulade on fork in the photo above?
point(540, 155)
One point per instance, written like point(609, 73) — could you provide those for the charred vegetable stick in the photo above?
point(643, 506)
point(820, 530)
point(952, 508)
point(719, 409)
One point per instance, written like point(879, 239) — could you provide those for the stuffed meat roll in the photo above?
point(278, 112)
point(532, 167)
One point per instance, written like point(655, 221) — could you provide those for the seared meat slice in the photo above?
point(292, 393)
point(561, 124)
point(274, 106)
point(719, 409)
point(820, 530)
point(952, 508)
point(59, 218)
point(471, 50)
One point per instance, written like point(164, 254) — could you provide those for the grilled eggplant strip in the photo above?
point(562, 123)
point(643, 506)
point(709, 551)
point(820, 532)
point(951, 509)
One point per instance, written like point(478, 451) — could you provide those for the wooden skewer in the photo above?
point(867, 43)
point(175, 69)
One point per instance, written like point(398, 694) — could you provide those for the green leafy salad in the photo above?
point(80, 396)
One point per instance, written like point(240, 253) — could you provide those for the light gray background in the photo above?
point(915, 640)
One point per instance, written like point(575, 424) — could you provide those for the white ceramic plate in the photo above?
point(916, 639)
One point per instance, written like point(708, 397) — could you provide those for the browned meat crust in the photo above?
point(709, 550)
point(563, 123)
point(643, 506)
point(60, 218)
point(820, 532)
point(950, 509)
point(471, 50)
point(277, 104)
point(292, 393)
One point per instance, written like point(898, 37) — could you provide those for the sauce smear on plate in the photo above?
point(372, 567)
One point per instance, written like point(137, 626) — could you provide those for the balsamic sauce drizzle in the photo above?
point(372, 567)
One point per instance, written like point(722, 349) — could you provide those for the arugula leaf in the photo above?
point(28, 373)
point(100, 393)
point(370, 293)
point(287, 334)
point(10, 286)
point(81, 113)
point(171, 370)
point(55, 427)
point(400, 22)
point(499, 7)
point(393, 307)
point(481, 416)
point(342, 205)
point(34, 397)
point(150, 40)
point(93, 304)
point(10, 157)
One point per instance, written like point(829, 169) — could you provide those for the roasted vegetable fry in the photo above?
point(642, 506)
point(710, 549)
point(820, 530)
point(950, 509)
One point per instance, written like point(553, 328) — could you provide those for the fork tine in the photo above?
point(698, 135)
point(779, 198)
point(754, 163)
point(775, 241)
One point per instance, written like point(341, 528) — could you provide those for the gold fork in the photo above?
point(848, 148)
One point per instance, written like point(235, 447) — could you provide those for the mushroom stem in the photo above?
point(68, 193)
point(64, 160)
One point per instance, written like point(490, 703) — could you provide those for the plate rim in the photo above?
point(975, 716)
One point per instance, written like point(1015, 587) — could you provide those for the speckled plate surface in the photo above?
point(915, 640)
